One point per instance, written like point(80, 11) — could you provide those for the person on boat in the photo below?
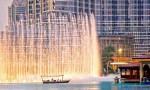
point(52, 79)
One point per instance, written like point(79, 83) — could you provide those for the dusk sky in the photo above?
point(4, 13)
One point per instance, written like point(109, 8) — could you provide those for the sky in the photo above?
point(4, 13)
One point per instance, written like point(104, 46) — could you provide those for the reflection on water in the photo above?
point(98, 86)
point(50, 87)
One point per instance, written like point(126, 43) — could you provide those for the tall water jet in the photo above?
point(63, 45)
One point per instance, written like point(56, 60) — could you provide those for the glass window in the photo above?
point(127, 72)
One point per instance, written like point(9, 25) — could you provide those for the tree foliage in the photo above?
point(107, 56)
point(108, 53)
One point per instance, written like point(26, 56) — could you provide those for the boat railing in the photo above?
point(52, 77)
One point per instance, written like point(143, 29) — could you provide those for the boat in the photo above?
point(145, 80)
point(51, 80)
point(48, 81)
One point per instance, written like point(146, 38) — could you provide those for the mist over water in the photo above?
point(94, 80)
point(109, 78)
point(64, 45)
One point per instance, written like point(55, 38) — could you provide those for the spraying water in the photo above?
point(64, 45)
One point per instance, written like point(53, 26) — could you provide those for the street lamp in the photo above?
point(120, 51)
point(120, 54)
point(117, 63)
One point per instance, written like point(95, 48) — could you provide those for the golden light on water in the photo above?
point(64, 46)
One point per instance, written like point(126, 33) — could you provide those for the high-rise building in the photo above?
point(113, 17)
point(37, 7)
point(75, 6)
point(125, 17)
point(15, 10)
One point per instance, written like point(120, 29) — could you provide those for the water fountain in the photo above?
point(64, 45)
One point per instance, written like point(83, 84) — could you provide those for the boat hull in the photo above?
point(51, 82)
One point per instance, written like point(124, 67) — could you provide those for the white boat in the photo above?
point(50, 80)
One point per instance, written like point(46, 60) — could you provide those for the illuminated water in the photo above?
point(66, 45)
point(90, 86)
point(90, 83)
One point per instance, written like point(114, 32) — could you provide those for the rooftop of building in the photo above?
point(143, 56)
point(20, 2)
point(130, 65)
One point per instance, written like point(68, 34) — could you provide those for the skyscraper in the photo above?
point(37, 7)
point(15, 10)
point(75, 6)
point(113, 17)
point(125, 17)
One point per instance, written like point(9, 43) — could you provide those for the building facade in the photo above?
point(123, 44)
point(38, 8)
point(15, 10)
point(113, 17)
point(124, 47)
point(125, 17)
point(35, 8)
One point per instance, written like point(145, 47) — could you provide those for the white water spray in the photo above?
point(65, 45)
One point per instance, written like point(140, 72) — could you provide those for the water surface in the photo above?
point(69, 86)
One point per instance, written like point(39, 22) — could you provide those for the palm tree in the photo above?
point(107, 55)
